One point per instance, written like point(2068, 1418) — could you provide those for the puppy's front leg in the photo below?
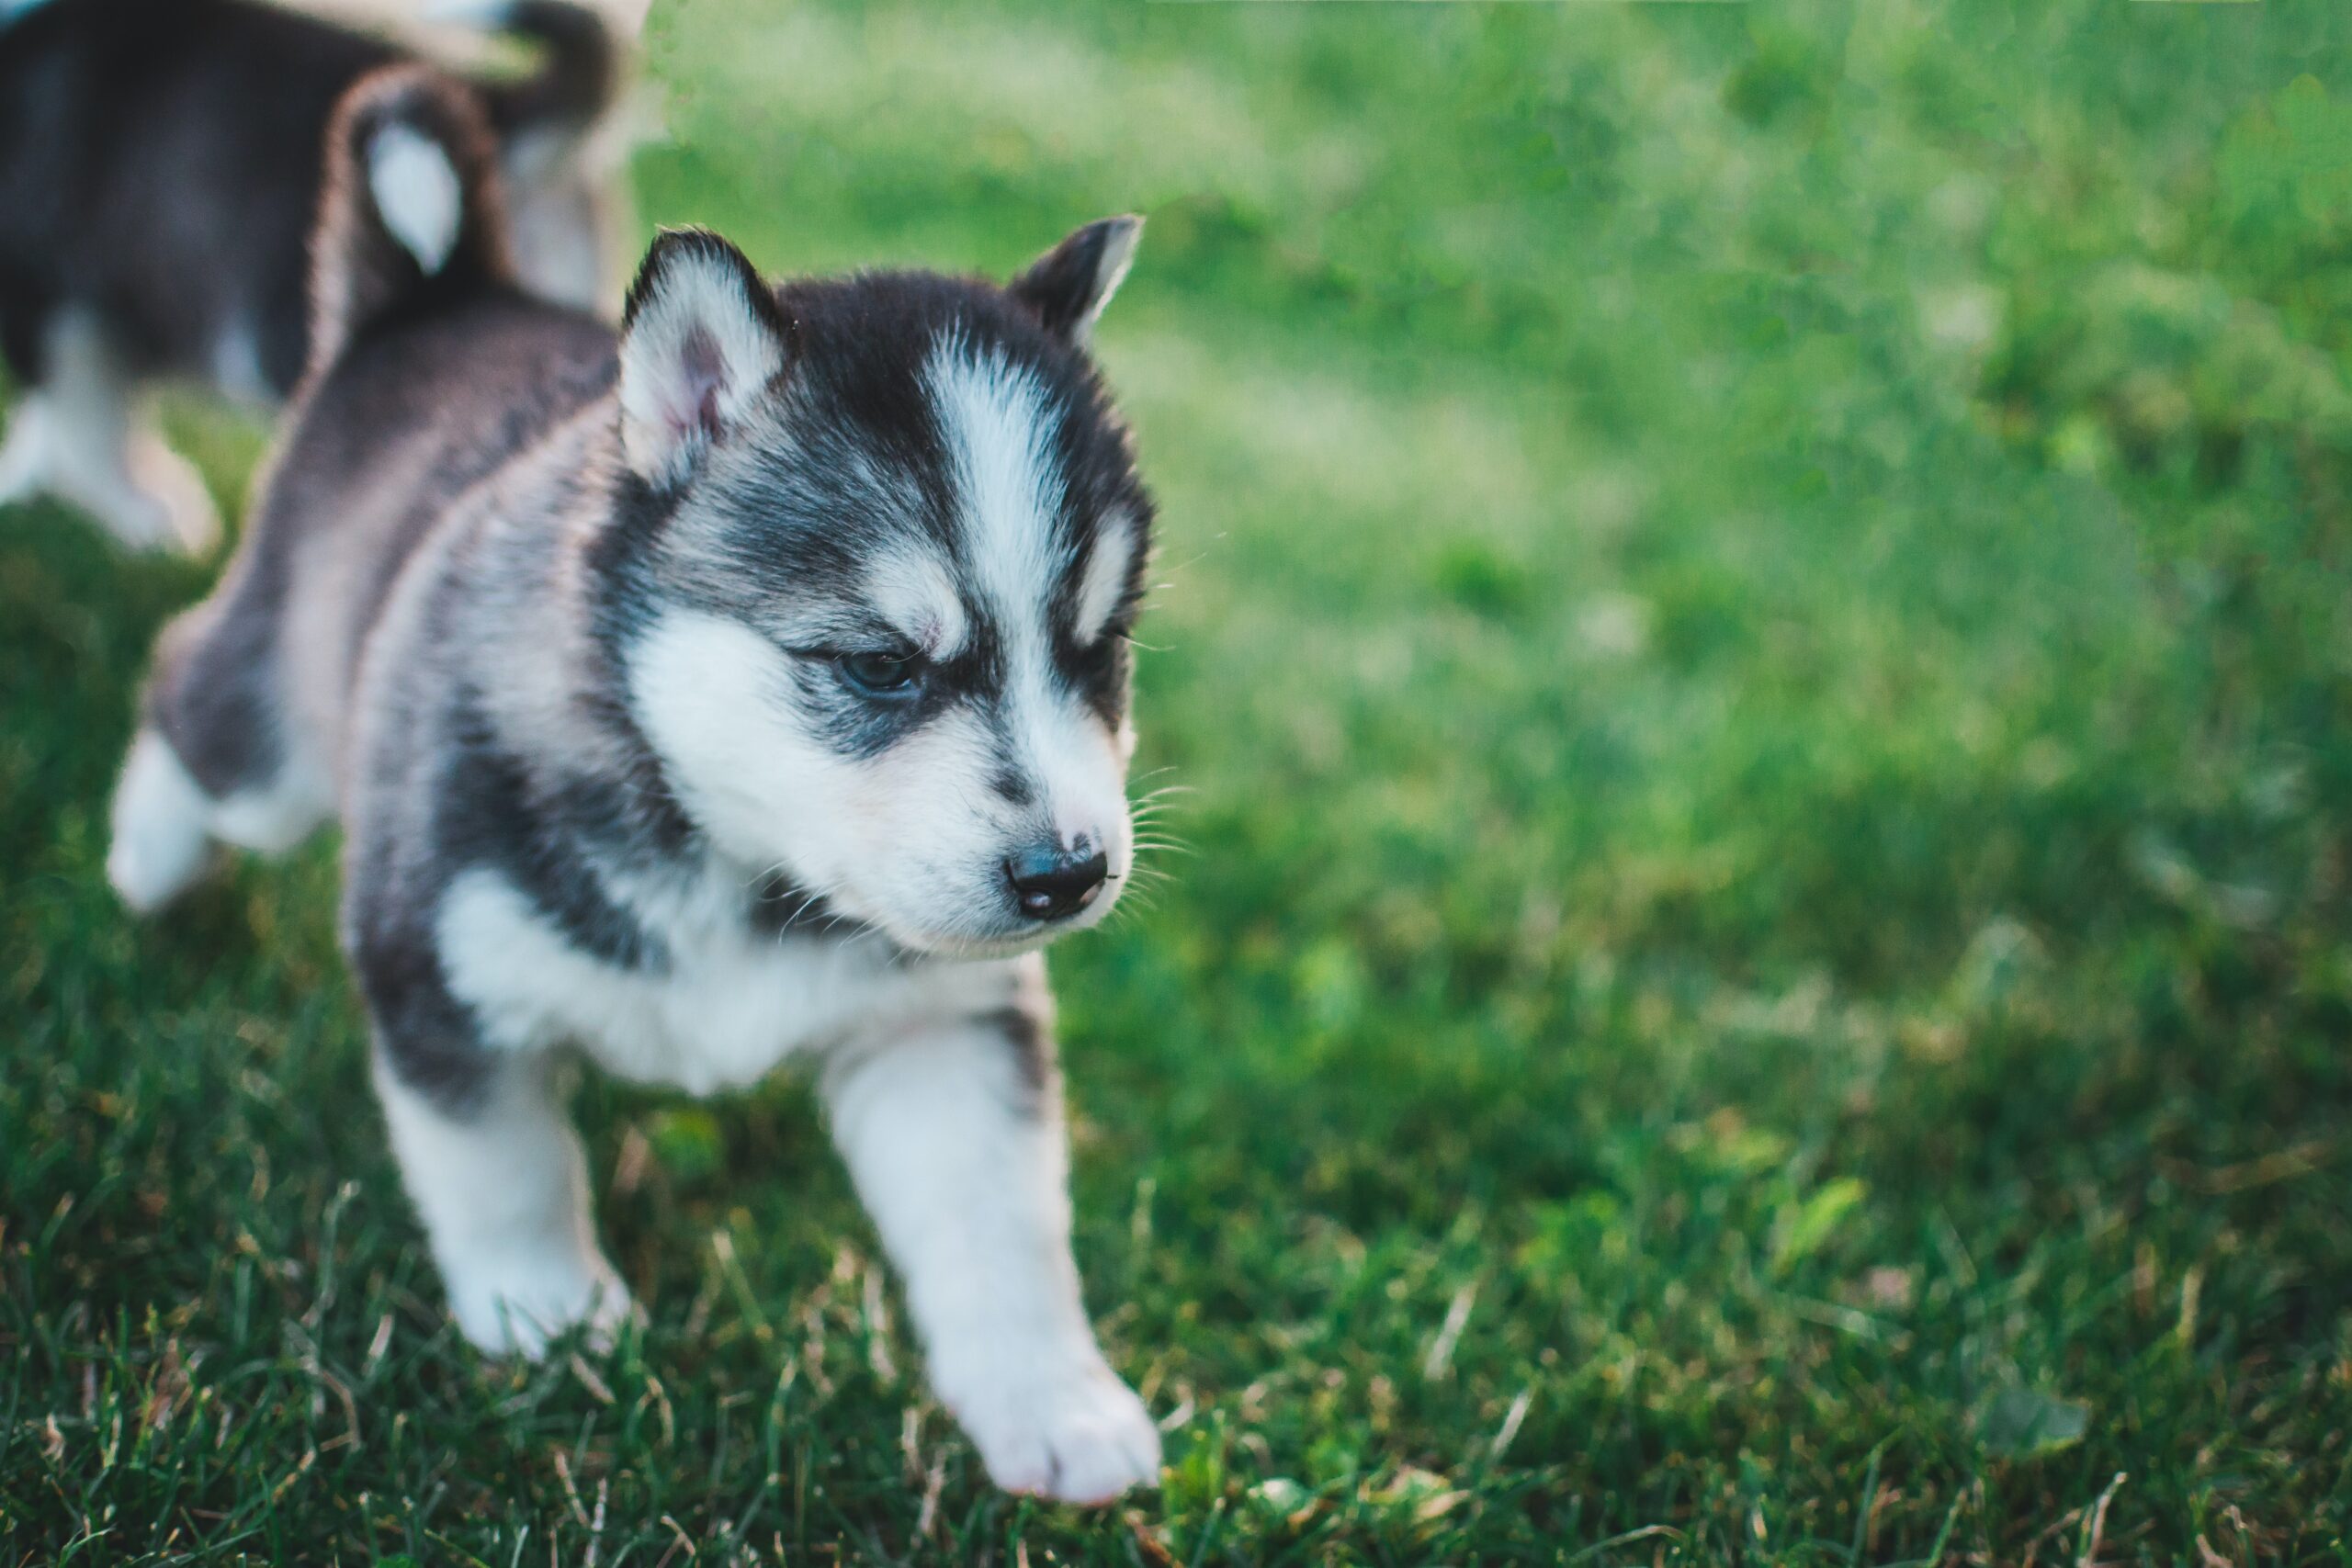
point(955, 1139)
point(499, 1180)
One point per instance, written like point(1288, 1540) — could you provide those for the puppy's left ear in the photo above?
point(701, 338)
point(1068, 286)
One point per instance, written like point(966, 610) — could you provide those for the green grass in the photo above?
point(1759, 619)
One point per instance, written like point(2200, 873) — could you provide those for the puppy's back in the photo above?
point(430, 368)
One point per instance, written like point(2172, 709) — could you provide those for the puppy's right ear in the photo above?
point(701, 338)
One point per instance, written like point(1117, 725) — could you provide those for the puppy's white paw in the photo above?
point(160, 844)
point(520, 1307)
point(1071, 1431)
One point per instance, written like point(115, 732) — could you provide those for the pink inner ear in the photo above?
point(701, 375)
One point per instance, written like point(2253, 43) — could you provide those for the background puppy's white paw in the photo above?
point(1078, 1434)
point(181, 515)
point(522, 1307)
point(26, 456)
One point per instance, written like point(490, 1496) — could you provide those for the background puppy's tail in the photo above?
point(409, 211)
point(577, 77)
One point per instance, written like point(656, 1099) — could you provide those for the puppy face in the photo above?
point(877, 616)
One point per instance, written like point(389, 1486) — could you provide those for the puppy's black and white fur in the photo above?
point(159, 179)
point(753, 686)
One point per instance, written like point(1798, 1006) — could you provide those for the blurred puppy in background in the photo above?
point(751, 685)
point(160, 166)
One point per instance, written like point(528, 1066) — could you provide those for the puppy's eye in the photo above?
point(879, 674)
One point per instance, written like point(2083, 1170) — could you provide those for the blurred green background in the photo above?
point(1754, 624)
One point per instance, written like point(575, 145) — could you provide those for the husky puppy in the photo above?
point(159, 176)
point(753, 685)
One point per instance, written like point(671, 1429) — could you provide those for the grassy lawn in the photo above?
point(1759, 625)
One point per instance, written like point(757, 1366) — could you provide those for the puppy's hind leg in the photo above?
point(214, 759)
point(165, 824)
point(162, 826)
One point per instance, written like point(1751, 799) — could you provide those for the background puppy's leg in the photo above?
point(498, 1177)
point(955, 1138)
point(89, 445)
point(25, 314)
point(23, 456)
point(161, 479)
point(212, 760)
point(164, 821)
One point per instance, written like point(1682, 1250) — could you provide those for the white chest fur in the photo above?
point(732, 1003)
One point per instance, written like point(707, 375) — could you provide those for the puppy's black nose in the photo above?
point(1050, 882)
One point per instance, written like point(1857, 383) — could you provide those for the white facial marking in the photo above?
point(1105, 578)
point(913, 592)
point(999, 433)
point(911, 840)
point(999, 425)
point(715, 698)
point(416, 193)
